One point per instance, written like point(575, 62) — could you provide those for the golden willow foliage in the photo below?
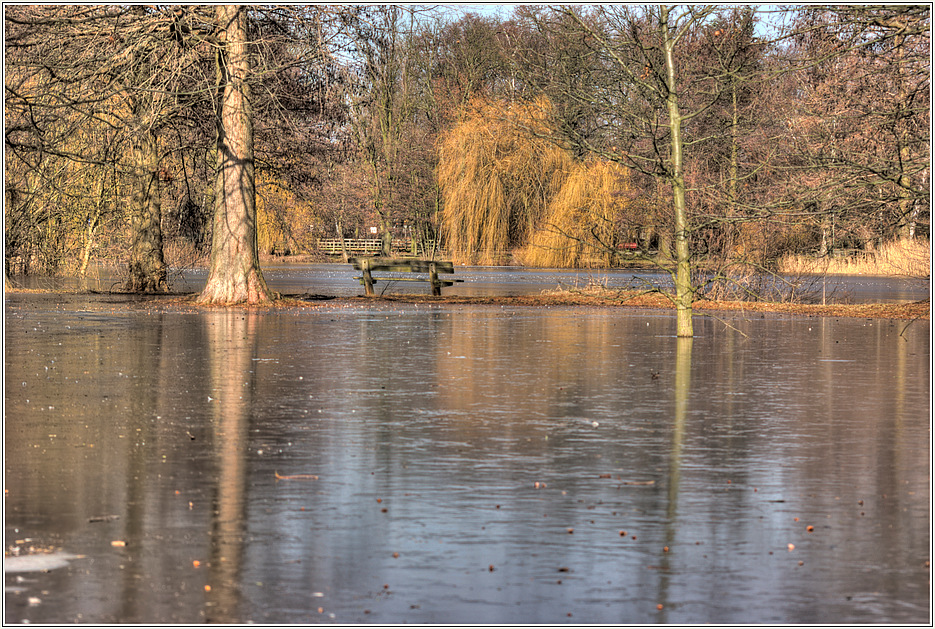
point(285, 222)
point(507, 189)
point(581, 227)
point(497, 179)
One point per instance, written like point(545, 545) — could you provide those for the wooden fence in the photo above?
point(332, 246)
point(352, 245)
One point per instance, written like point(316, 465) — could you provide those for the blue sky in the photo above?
point(482, 9)
point(505, 10)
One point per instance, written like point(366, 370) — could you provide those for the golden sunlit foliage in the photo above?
point(497, 179)
point(506, 188)
point(55, 210)
point(273, 206)
point(290, 217)
point(580, 229)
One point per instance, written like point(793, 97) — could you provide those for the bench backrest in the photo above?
point(402, 265)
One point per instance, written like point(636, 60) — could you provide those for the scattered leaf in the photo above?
point(293, 476)
point(103, 518)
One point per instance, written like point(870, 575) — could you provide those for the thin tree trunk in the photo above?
point(89, 236)
point(733, 170)
point(826, 243)
point(337, 227)
point(682, 275)
point(147, 267)
point(905, 228)
point(88, 244)
point(235, 275)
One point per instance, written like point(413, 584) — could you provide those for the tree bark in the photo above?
point(682, 273)
point(235, 275)
point(903, 184)
point(93, 222)
point(147, 267)
point(340, 232)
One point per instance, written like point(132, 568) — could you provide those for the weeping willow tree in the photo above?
point(581, 226)
point(497, 179)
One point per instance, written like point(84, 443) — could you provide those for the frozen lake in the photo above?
point(338, 280)
point(462, 464)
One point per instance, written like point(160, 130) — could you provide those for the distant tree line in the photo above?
point(696, 137)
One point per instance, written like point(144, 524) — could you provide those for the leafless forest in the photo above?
point(686, 136)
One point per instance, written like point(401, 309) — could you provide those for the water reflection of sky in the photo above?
point(428, 429)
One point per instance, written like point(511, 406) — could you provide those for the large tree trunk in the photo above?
point(147, 267)
point(235, 275)
point(682, 275)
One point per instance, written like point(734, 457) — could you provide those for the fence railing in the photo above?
point(366, 245)
point(351, 245)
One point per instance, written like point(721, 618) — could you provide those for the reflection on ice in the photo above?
point(36, 562)
point(451, 464)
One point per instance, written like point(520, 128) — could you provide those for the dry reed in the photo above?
point(908, 258)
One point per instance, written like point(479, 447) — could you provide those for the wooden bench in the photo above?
point(403, 265)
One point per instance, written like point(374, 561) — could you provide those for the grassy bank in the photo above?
point(591, 298)
point(637, 300)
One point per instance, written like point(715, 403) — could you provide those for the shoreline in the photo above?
point(907, 311)
point(606, 299)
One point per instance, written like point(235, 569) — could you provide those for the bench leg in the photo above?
point(368, 278)
point(433, 280)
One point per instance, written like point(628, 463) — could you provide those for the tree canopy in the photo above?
point(704, 136)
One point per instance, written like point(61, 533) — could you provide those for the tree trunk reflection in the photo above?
point(683, 366)
point(232, 338)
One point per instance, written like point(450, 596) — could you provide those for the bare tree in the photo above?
point(637, 104)
point(109, 73)
point(234, 275)
point(394, 116)
point(130, 92)
point(858, 112)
